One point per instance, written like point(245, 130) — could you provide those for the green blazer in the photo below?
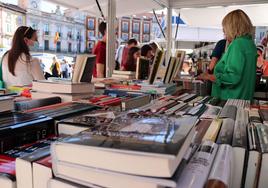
point(236, 71)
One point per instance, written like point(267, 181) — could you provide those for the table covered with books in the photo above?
point(183, 140)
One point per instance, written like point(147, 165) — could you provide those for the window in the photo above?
point(46, 27)
point(46, 44)
point(8, 27)
point(69, 47)
point(59, 28)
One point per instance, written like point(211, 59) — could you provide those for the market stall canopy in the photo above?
point(123, 7)
point(212, 16)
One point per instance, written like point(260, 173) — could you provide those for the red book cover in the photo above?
point(123, 86)
point(7, 165)
point(47, 161)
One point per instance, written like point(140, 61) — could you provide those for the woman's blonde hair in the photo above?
point(236, 24)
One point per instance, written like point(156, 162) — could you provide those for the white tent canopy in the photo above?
point(123, 7)
point(212, 16)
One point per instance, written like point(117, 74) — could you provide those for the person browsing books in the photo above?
point(122, 52)
point(100, 52)
point(147, 52)
point(235, 74)
point(131, 63)
point(18, 66)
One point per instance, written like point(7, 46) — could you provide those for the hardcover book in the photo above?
point(143, 69)
point(83, 68)
point(226, 132)
point(140, 147)
point(213, 130)
point(196, 172)
point(254, 158)
point(7, 172)
point(221, 172)
point(6, 103)
point(17, 129)
point(262, 131)
point(228, 111)
point(212, 112)
point(158, 59)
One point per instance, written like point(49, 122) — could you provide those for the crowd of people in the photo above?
point(232, 70)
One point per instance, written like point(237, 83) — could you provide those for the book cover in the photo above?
point(221, 172)
point(139, 148)
point(228, 111)
point(212, 112)
point(226, 132)
point(197, 170)
point(143, 69)
point(213, 130)
point(7, 168)
point(156, 63)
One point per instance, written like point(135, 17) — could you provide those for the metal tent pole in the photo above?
point(110, 45)
point(169, 33)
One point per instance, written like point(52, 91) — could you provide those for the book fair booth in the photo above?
point(157, 126)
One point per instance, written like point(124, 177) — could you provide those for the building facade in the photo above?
point(69, 28)
point(11, 17)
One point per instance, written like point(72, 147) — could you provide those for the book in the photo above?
point(88, 175)
point(83, 69)
point(24, 167)
point(143, 68)
point(188, 98)
point(139, 148)
point(27, 105)
point(62, 110)
point(213, 130)
point(169, 70)
point(239, 144)
point(196, 110)
point(242, 116)
point(42, 172)
point(177, 68)
point(226, 133)
point(135, 102)
point(262, 131)
point(158, 59)
point(64, 97)
point(60, 183)
point(7, 172)
point(228, 111)
point(130, 73)
point(17, 129)
point(175, 108)
point(254, 158)
point(92, 121)
point(254, 116)
point(63, 87)
point(211, 112)
point(221, 172)
point(196, 172)
point(6, 103)
point(264, 116)
point(123, 76)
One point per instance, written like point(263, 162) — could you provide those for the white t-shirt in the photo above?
point(25, 72)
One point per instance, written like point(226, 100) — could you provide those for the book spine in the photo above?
point(262, 131)
point(197, 170)
point(240, 135)
point(226, 132)
point(221, 172)
point(213, 130)
point(26, 133)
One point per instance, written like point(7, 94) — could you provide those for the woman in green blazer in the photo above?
point(234, 75)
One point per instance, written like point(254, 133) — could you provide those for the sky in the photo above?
point(45, 6)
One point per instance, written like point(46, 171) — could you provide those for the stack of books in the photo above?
point(159, 88)
point(128, 75)
point(6, 103)
point(132, 151)
point(66, 90)
point(69, 90)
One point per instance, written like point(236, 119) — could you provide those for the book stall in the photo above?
point(145, 129)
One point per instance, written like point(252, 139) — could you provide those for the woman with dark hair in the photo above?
point(147, 51)
point(19, 68)
point(130, 64)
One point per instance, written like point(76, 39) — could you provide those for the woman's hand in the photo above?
point(206, 76)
